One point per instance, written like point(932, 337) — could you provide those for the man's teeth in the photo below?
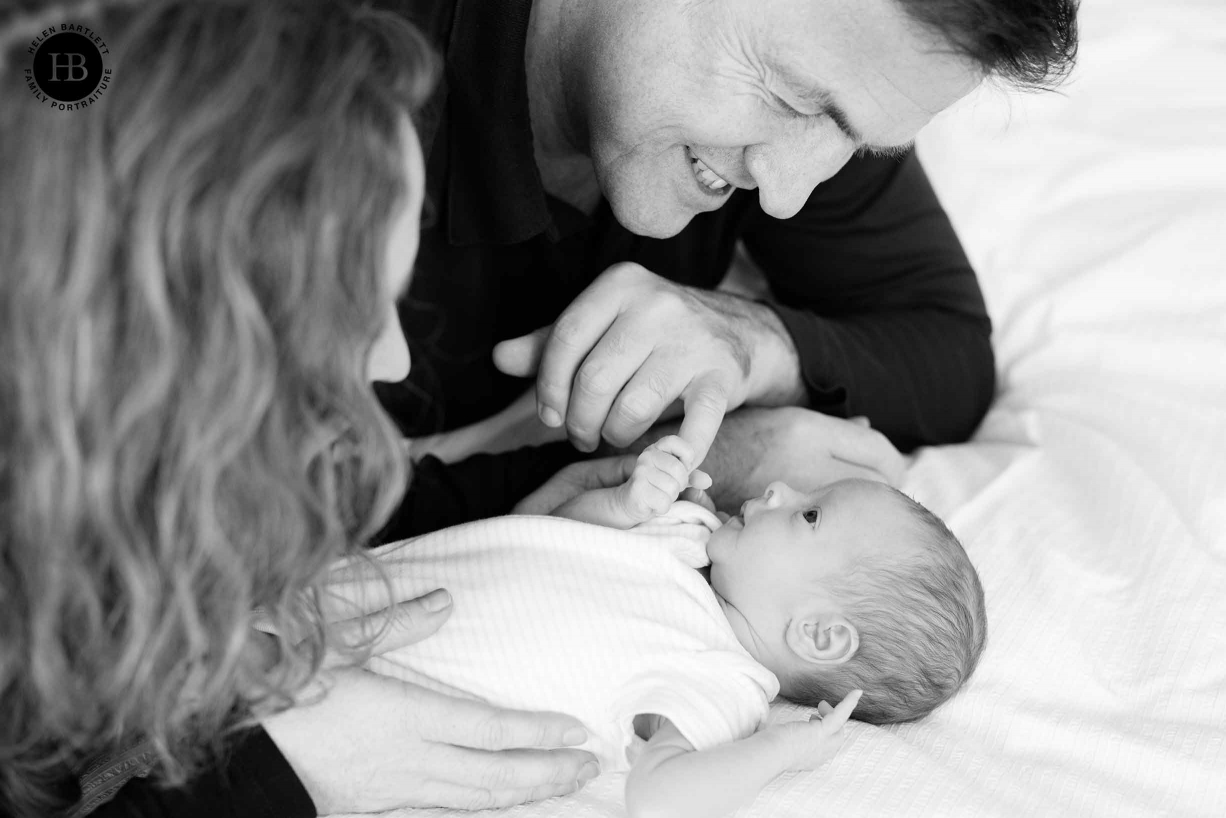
point(707, 176)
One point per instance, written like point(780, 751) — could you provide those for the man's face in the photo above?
point(685, 99)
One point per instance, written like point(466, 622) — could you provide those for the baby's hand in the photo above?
point(663, 471)
point(810, 744)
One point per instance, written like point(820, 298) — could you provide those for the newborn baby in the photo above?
point(851, 586)
point(669, 639)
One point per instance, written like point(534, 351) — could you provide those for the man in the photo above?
point(593, 166)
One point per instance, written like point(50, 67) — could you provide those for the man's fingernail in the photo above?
point(550, 417)
point(589, 771)
point(435, 601)
point(575, 735)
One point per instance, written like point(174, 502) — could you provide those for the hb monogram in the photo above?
point(74, 63)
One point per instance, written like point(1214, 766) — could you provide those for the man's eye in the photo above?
point(788, 110)
point(813, 515)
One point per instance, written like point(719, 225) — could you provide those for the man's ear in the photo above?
point(823, 638)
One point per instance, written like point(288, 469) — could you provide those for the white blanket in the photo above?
point(1093, 498)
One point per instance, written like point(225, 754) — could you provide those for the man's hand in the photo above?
point(370, 743)
point(798, 446)
point(633, 342)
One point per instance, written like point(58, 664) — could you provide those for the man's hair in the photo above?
point(192, 279)
point(922, 627)
point(1027, 43)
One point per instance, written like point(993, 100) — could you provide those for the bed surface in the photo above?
point(1093, 497)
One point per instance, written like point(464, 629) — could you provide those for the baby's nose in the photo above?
point(776, 493)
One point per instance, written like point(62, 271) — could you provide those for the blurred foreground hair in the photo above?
point(190, 281)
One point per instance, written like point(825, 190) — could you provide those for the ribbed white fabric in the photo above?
point(558, 615)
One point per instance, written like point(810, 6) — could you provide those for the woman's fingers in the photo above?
point(510, 776)
point(389, 744)
point(457, 796)
point(464, 723)
point(397, 627)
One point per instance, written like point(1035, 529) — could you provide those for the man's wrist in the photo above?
point(774, 374)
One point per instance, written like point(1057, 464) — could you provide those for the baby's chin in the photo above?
point(723, 540)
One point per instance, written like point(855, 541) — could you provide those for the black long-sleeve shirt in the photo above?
point(871, 282)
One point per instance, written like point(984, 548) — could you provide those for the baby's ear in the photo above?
point(822, 638)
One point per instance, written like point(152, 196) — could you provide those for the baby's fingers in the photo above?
point(678, 448)
point(834, 718)
point(663, 470)
point(811, 744)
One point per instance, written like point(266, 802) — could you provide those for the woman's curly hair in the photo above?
point(190, 281)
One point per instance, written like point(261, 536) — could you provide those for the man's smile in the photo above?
point(708, 180)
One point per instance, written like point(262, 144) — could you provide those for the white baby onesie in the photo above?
point(570, 617)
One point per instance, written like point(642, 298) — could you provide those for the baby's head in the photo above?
point(851, 586)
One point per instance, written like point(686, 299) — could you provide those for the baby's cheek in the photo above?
point(717, 545)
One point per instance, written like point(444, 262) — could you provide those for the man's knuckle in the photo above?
point(625, 272)
point(637, 409)
point(619, 342)
point(670, 303)
point(594, 379)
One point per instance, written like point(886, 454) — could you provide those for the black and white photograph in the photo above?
point(612, 408)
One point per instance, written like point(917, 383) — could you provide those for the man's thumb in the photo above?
point(521, 356)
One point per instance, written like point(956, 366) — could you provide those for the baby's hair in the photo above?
point(922, 627)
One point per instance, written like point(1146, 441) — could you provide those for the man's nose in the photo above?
point(796, 160)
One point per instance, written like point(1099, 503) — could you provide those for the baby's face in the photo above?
point(788, 550)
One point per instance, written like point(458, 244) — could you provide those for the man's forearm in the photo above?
point(770, 360)
point(775, 373)
point(921, 376)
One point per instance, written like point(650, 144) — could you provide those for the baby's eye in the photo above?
point(813, 515)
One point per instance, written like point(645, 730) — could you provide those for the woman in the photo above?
point(199, 277)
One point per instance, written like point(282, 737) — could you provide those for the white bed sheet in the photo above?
point(1093, 497)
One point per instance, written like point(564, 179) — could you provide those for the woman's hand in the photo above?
point(373, 743)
